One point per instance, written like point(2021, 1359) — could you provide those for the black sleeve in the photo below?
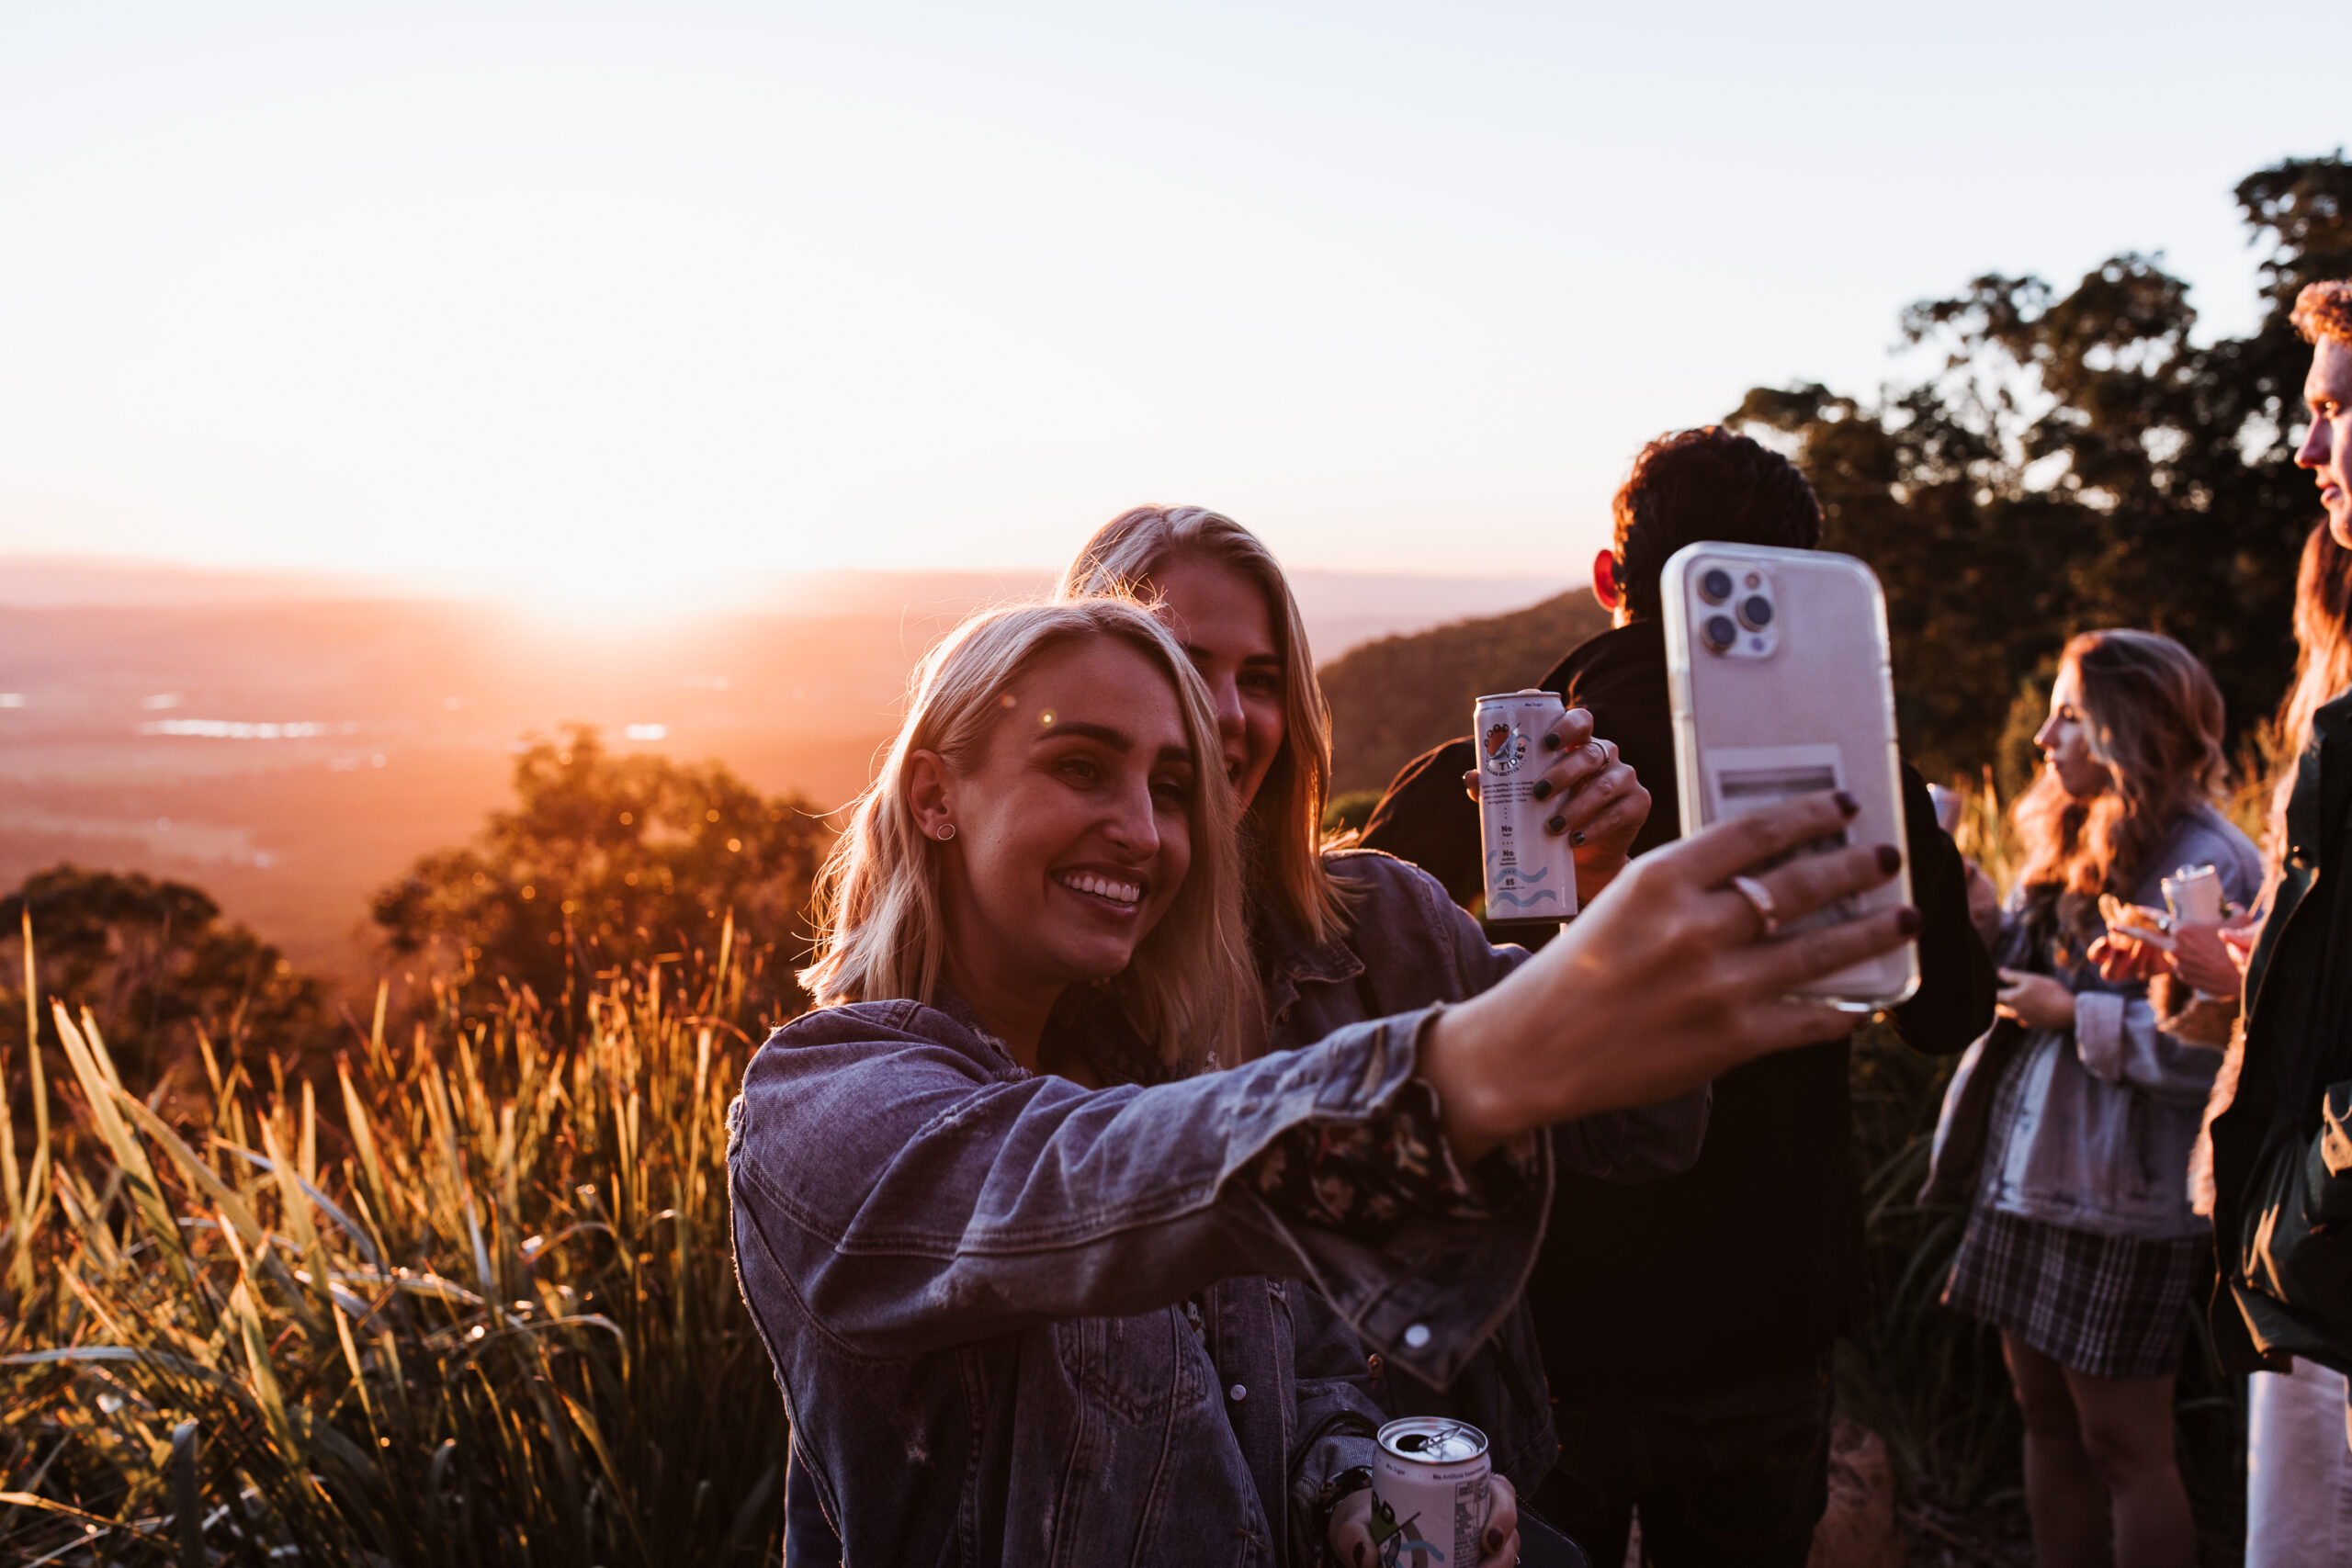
point(1954, 1002)
point(1428, 818)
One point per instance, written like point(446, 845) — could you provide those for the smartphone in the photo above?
point(1778, 668)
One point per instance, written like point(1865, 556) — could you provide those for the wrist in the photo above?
point(1457, 1053)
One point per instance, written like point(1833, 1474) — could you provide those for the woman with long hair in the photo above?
point(2070, 1124)
point(1340, 936)
point(2299, 1471)
point(1021, 1206)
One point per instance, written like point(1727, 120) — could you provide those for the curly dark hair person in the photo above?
point(1708, 483)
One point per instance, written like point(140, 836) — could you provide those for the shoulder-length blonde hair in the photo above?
point(1190, 988)
point(2153, 717)
point(1287, 815)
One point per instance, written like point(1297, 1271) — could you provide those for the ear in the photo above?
point(928, 792)
point(1604, 581)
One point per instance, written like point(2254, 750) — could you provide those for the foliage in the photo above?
point(497, 1327)
point(1393, 699)
point(154, 962)
point(2078, 460)
point(608, 861)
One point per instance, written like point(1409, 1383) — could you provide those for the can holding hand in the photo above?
point(2194, 895)
point(1430, 1494)
point(1531, 874)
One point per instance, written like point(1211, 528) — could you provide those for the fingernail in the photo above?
point(1542, 790)
point(1890, 859)
point(1551, 741)
point(1847, 804)
point(1906, 921)
point(1494, 1540)
point(1359, 1555)
point(1577, 838)
point(1554, 824)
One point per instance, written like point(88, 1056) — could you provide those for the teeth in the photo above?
point(1103, 887)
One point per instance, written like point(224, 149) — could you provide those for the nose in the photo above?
point(2046, 736)
point(1133, 825)
point(1231, 722)
point(2313, 451)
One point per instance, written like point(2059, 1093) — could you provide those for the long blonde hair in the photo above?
point(2154, 718)
point(1287, 815)
point(1190, 989)
point(2322, 666)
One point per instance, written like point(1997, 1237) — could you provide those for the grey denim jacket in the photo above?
point(2106, 1111)
point(1411, 945)
point(971, 1281)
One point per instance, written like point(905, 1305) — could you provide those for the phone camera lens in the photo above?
point(1714, 585)
point(1719, 632)
point(1755, 612)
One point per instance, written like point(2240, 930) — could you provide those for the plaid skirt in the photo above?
point(2113, 1306)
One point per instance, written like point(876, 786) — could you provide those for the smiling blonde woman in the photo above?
point(1032, 1285)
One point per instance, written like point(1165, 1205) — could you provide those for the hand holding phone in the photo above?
point(1777, 664)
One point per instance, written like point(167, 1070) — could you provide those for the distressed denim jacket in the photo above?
point(2105, 1111)
point(973, 1283)
point(1411, 945)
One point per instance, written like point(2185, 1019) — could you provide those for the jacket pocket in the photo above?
point(1139, 1368)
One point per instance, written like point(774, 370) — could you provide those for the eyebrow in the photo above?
point(1194, 651)
point(1117, 739)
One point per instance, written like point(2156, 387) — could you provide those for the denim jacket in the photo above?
point(2104, 1112)
point(972, 1281)
point(1411, 945)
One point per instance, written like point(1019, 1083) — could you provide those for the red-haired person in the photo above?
point(2069, 1125)
point(2280, 1123)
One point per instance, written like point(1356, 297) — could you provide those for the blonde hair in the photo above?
point(1287, 815)
point(1190, 989)
point(2153, 717)
point(2323, 668)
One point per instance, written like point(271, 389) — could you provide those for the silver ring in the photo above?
point(1759, 898)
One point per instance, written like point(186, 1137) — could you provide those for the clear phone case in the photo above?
point(1778, 667)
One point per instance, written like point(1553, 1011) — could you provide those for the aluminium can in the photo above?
point(2194, 895)
point(1429, 1493)
point(1531, 874)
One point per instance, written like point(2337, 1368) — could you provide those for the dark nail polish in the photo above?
point(1494, 1540)
point(1542, 790)
point(1890, 859)
point(1556, 824)
point(1551, 741)
point(1577, 838)
point(1908, 922)
point(1847, 804)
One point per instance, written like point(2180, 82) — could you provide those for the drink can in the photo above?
point(1429, 1493)
point(2194, 895)
point(1531, 874)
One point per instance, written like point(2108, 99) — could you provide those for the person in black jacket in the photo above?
point(1686, 1324)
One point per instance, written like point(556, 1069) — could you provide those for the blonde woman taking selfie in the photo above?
point(1029, 1266)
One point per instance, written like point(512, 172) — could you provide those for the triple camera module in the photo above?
point(1734, 615)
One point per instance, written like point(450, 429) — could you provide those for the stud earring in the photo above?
point(946, 831)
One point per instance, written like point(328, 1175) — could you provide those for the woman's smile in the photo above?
point(1122, 894)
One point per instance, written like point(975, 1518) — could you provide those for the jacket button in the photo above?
point(1238, 1393)
point(1373, 1363)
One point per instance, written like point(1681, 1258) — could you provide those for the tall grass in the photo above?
point(478, 1308)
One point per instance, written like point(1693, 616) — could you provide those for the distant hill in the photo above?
point(1394, 698)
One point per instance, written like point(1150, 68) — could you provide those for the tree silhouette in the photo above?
point(610, 862)
point(2077, 461)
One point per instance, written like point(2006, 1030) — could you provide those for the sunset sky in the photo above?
point(605, 301)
